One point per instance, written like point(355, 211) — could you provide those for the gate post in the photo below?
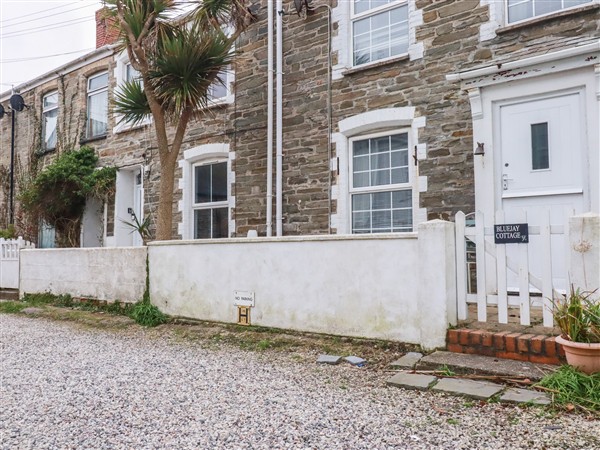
point(584, 252)
point(437, 281)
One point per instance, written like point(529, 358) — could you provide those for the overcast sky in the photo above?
point(37, 36)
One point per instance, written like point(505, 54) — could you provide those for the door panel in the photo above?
point(541, 169)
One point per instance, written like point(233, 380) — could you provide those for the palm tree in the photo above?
point(178, 60)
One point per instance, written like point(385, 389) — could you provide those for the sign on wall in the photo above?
point(243, 298)
point(511, 233)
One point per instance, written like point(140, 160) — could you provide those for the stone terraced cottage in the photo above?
point(392, 113)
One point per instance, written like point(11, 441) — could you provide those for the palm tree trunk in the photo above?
point(164, 226)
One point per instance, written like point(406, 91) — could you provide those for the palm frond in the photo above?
point(130, 101)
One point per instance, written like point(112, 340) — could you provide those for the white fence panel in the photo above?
point(511, 281)
point(9, 261)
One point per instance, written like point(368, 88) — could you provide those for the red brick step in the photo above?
point(539, 349)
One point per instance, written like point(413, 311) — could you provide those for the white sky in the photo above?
point(37, 36)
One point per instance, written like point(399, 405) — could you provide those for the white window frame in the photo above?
point(535, 16)
point(380, 188)
point(228, 98)
point(209, 205)
point(46, 110)
point(372, 12)
point(203, 154)
point(91, 93)
point(386, 121)
point(120, 74)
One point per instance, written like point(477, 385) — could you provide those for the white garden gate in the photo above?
point(509, 275)
point(9, 261)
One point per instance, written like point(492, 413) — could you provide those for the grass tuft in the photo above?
point(570, 386)
point(147, 314)
point(12, 307)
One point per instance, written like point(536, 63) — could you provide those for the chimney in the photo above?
point(106, 31)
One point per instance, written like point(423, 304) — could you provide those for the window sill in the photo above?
point(92, 139)
point(537, 20)
point(125, 127)
point(45, 151)
point(375, 64)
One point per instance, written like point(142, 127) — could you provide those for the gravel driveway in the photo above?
point(69, 387)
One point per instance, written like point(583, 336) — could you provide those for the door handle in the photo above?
point(505, 181)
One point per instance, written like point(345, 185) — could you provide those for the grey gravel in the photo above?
point(68, 387)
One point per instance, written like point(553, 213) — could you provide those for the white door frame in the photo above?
point(484, 101)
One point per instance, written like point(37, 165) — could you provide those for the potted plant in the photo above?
point(578, 317)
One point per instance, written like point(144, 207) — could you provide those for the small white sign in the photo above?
point(243, 298)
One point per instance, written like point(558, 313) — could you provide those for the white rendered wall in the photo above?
point(584, 245)
point(367, 286)
point(97, 273)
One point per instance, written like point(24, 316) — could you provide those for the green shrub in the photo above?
point(12, 307)
point(147, 314)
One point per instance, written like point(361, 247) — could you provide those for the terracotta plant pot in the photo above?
point(586, 357)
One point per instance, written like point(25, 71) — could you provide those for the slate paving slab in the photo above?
point(517, 395)
point(408, 361)
point(481, 390)
point(355, 360)
point(412, 381)
point(329, 359)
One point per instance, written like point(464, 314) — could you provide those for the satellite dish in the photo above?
point(17, 103)
point(1, 111)
point(301, 5)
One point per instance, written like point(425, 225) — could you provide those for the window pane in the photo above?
point(546, 7)
point(202, 184)
point(569, 3)
point(399, 141)
point(220, 223)
point(361, 202)
point(400, 159)
point(360, 179)
point(519, 10)
point(402, 199)
point(97, 114)
point(202, 223)
point(360, 147)
point(49, 129)
point(360, 163)
point(50, 101)
point(98, 82)
point(402, 218)
point(381, 200)
point(382, 221)
point(219, 182)
point(380, 177)
point(361, 221)
point(380, 144)
point(380, 161)
point(400, 175)
point(540, 158)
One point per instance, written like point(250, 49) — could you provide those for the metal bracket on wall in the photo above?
point(415, 157)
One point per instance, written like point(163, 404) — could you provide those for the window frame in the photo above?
point(45, 111)
point(194, 206)
point(95, 92)
point(354, 17)
point(409, 185)
point(507, 21)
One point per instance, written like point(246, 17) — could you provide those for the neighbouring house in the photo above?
point(391, 114)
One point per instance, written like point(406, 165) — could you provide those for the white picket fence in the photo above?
point(504, 275)
point(9, 261)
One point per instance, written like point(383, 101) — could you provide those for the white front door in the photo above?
point(540, 168)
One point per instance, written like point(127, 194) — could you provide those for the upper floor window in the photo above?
point(210, 201)
point(49, 120)
point(131, 73)
point(518, 10)
point(379, 30)
point(219, 89)
point(380, 188)
point(97, 105)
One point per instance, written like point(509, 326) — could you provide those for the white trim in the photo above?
point(390, 121)
point(342, 42)
point(572, 57)
point(203, 154)
point(538, 16)
point(120, 76)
